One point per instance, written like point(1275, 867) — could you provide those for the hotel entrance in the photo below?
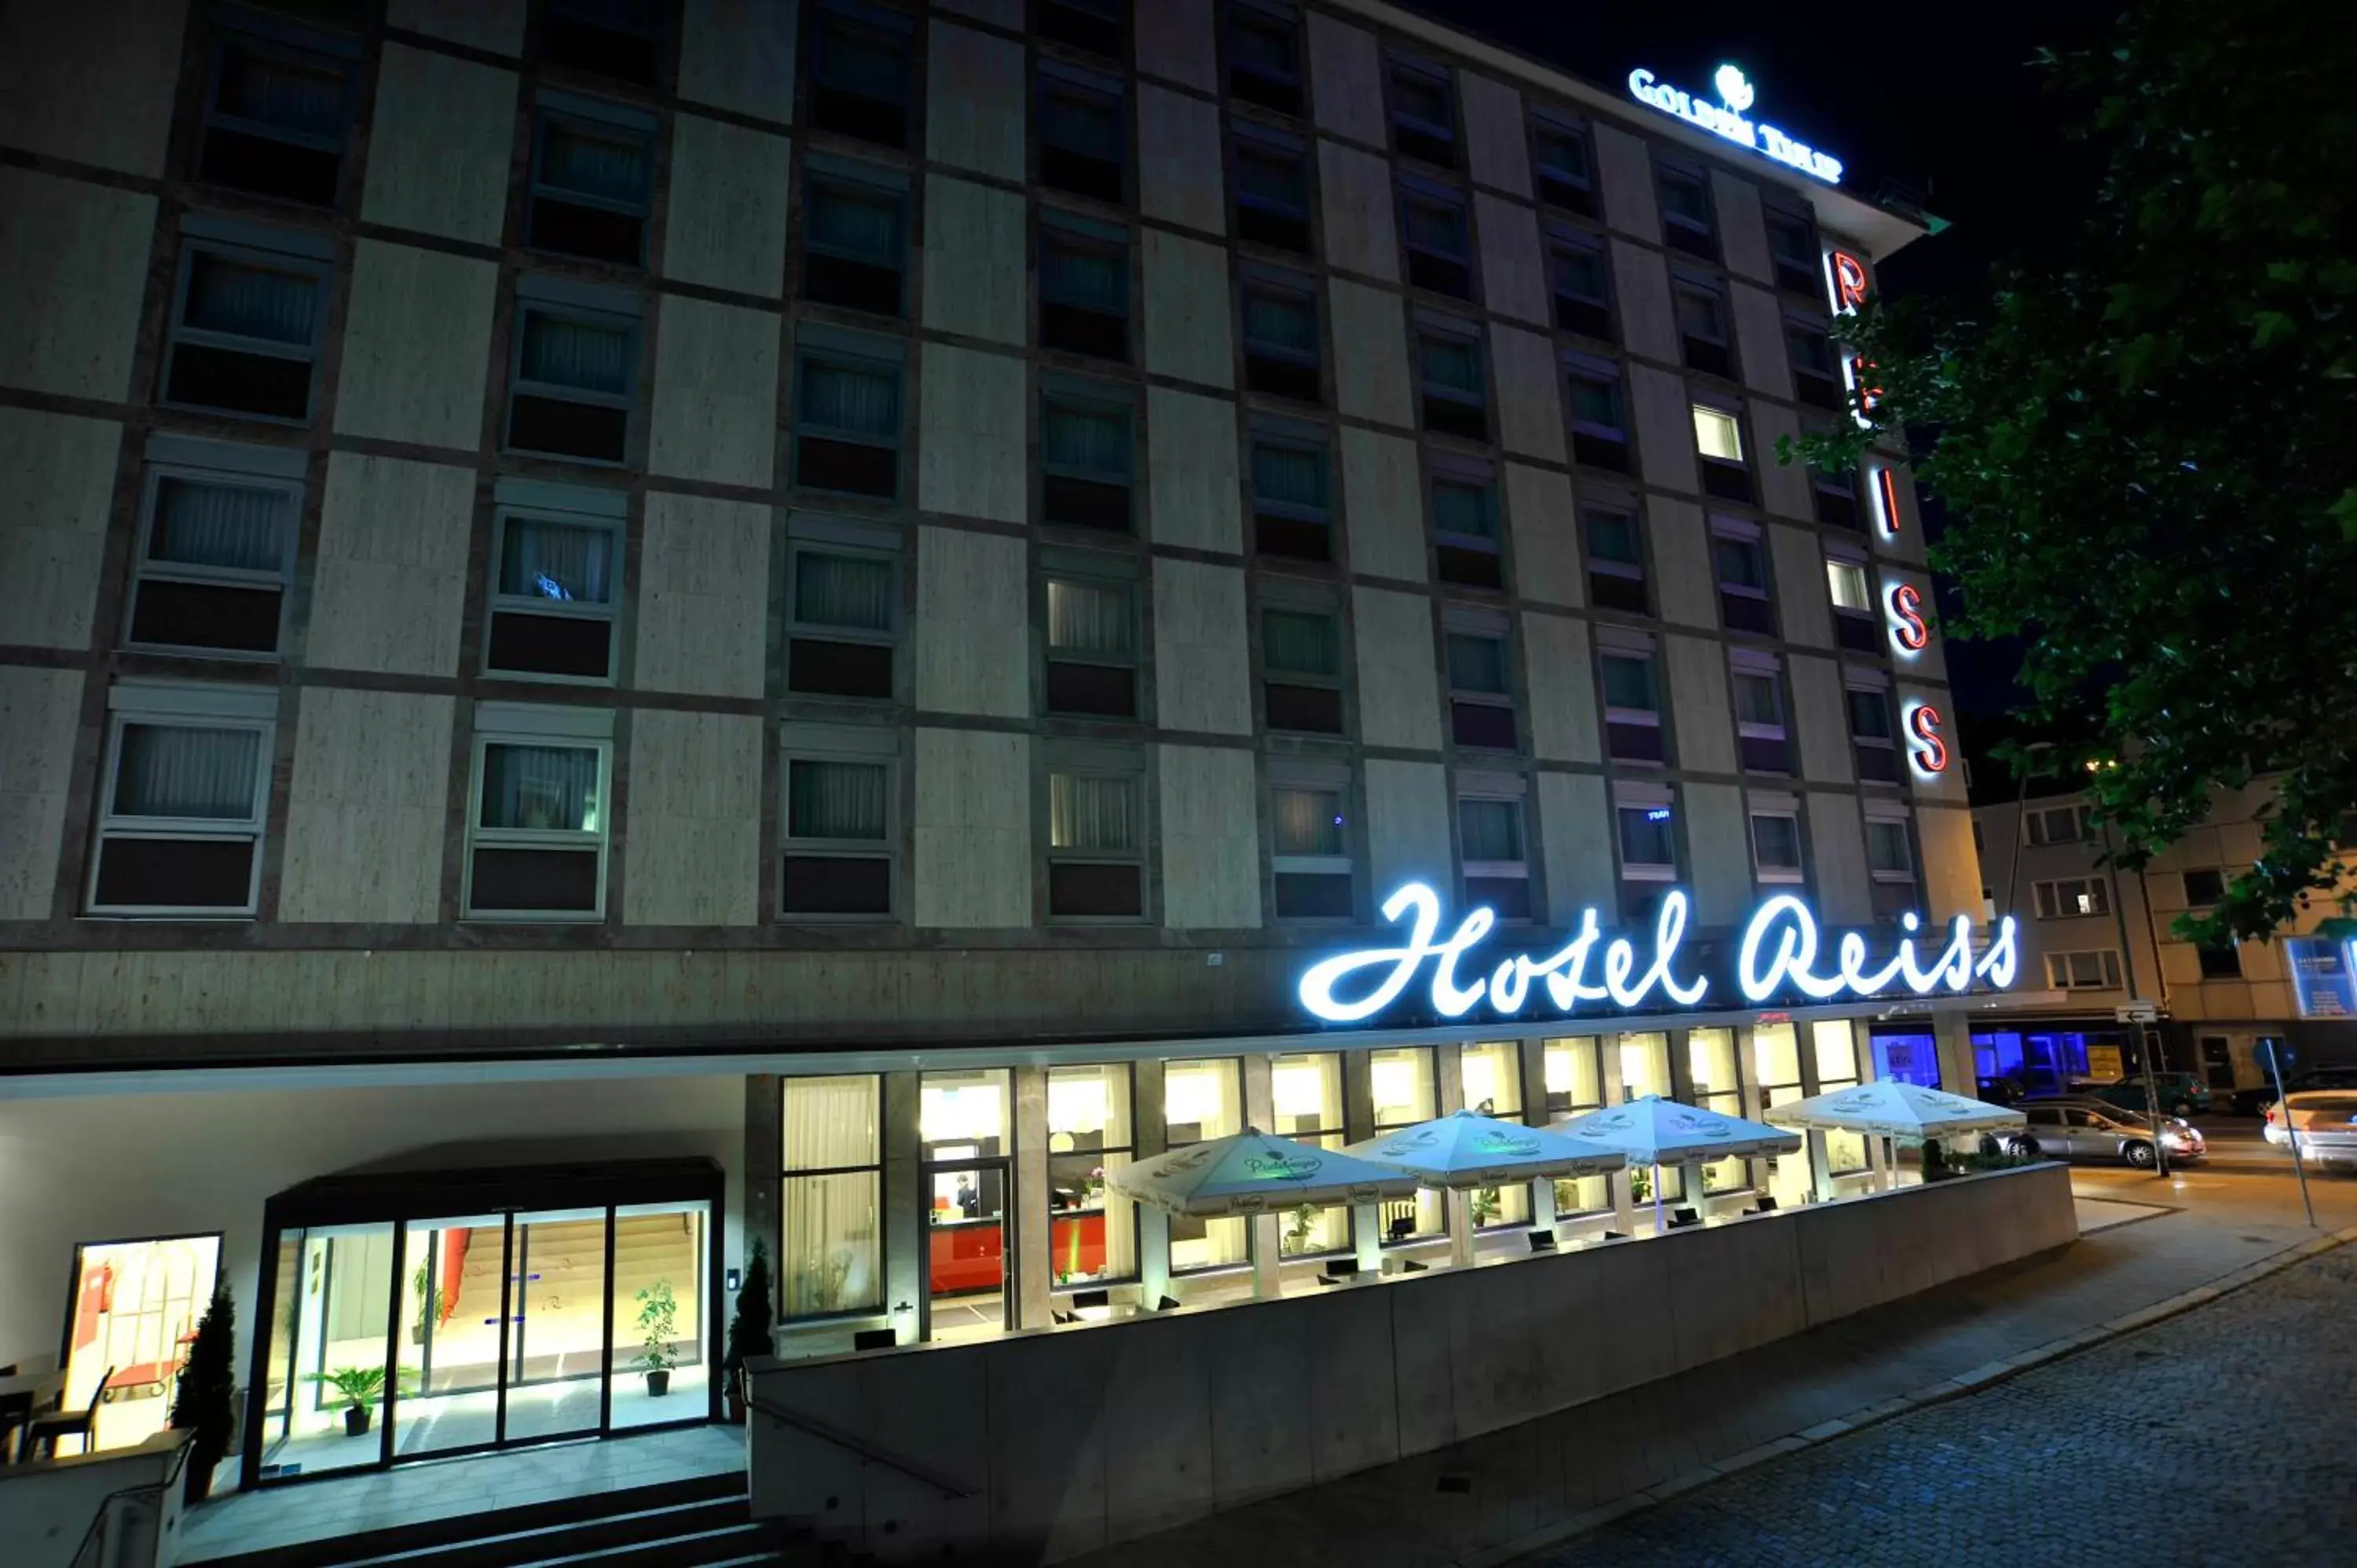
point(480, 1315)
point(966, 1186)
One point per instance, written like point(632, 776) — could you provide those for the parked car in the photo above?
point(2182, 1094)
point(2064, 1128)
point(2326, 1122)
point(2255, 1101)
point(1999, 1091)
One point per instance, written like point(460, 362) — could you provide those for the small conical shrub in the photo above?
point(205, 1404)
point(748, 1331)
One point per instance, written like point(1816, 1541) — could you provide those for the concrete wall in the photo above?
point(389, 592)
point(57, 477)
point(1070, 1440)
point(365, 815)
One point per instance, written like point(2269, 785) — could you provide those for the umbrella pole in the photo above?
point(1657, 1197)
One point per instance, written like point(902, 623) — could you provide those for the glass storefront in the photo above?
point(830, 1197)
point(1835, 1042)
point(1306, 1093)
point(1645, 1069)
point(1492, 1082)
point(1401, 1082)
point(1717, 1086)
point(134, 1311)
point(1092, 1229)
point(1574, 1086)
point(1202, 1100)
point(965, 1122)
point(1776, 1064)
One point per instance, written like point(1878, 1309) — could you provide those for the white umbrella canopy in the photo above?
point(1251, 1173)
point(1893, 1109)
point(1653, 1131)
point(1468, 1150)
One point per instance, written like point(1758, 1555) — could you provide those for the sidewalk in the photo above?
point(2145, 1252)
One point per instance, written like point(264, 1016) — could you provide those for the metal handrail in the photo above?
point(95, 1536)
point(947, 1485)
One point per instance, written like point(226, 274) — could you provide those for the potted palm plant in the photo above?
point(361, 1387)
point(658, 1326)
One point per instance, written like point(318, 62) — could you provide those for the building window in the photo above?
point(831, 1253)
point(859, 74)
point(1438, 237)
point(1793, 247)
point(620, 38)
point(2220, 961)
point(854, 243)
point(247, 322)
point(1565, 166)
point(1817, 380)
point(1092, 1228)
point(1599, 429)
point(276, 116)
point(1572, 1068)
point(1615, 560)
point(1082, 151)
point(1835, 496)
point(592, 179)
point(1271, 181)
point(1718, 1087)
point(1203, 1100)
point(183, 798)
point(1649, 847)
point(1497, 862)
point(1400, 1083)
point(1742, 564)
point(574, 380)
point(1092, 647)
point(1301, 666)
point(1097, 845)
point(1085, 457)
point(1291, 516)
point(1685, 213)
point(842, 606)
point(1890, 865)
point(1632, 706)
point(2204, 888)
point(1423, 120)
point(2092, 970)
point(1701, 331)
point(1264, 59)
point(1312, 842)
point(840, 847)
point(2070, 895)
point(216, 549)
point(847, 422)
point(1100, 26)
point(536, 838)
point(1776, 843)
point(1852, 603)
point(1084, 292)
point(2061, 824)
point(1762, 739)
point(1870, 733)
point(1480, 696)
point(554, 593)
point(1583, 296)
point(1456, 397)
point(1282, 347)
point(1306, 1093)
point(1718, 437)
point(1465, 529)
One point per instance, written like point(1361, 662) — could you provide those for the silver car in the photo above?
point(2325, 1119)
point(2066, 1129)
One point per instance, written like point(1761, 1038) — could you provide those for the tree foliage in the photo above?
point(2145, 439)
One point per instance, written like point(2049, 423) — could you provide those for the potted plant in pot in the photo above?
point(748, 1331)
point(658, 1326)
point(361, 1387)
point(205, 1402)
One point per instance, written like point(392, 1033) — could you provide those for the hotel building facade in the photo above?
point(628, 627)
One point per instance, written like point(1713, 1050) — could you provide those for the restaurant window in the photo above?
point(841, 858)
point(1491, 1075)
point(1702, 330)
point(830, 1252)
point(1495, 853)
point(249, 315)
point(1282, 345)
point(620, 38)
point(1874, 751)
point(1599, 424)
point(574, 372)
point(1564, 163)
point(1423, 120)
point(1400, 1083)
point(860, 57)
point(1741, 560)
point(1835, 1043)
point(1762, 740)
point(1449, 369)
point(1480, 689)
point(1084, 289)
point(1793, 247)
point(1437, 236)
point(1301, 669)
point(2202, 889)
point(1817, 380)
point(1633, 731)
point(1776, 841)
point(1306, 1093)
point(1852, 605)
point(1890, 866)
point(1292, 515)
point(592, 179)
point(1203, 1100)
point(1083, 150)
point(1099, 27)
point(555, 589)
point(1264, 58)
point(1309, 818)
point(183, 797)
point(1776, 1068)
point(1583, 296)
point(1272, 186)
point(1092, 647)
point(1092, 1228)
point(2077, 896)
point(855, 237)
point(278, 110)
point(1719, 437)
point(1718, 1088)
point(1465, 528)
point(1096, 843)
point(1685, 212)
point(1087, 453)
point(2096, 970)
point(1645, 1069)
point(964, 1128)
point(1574, 1086)
point(536, 837)
point(842, 604)
point(216, 547)
point(847, 413)
point(1616, 559)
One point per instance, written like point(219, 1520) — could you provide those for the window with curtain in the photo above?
point(542, 788)
point(1480, 696)
point(244, 338)
point(1311, 846)
point(1741, 563)
point(1203, 1100)
point(1776, 846)
point(579, 355)
point(1092, 1228)
point(1272, 190)
point(1582, 297)
point(1435, 232)
point(1400, 1082)
point(214, 564)
point(1596, 402)
point(553, 598)
point(1085, 455)
point(1574, 1068)
point(859, 77)
point(1759, 730)
point(1084, 294)
point(1886, 850)
point(1490, 830)
point(1465, 531)
point(276, 120)
point(1306, 1093)
point(1600, 439)
point(1632, 706)
point(843, 591)
point(1424, 121)
point(1648, 840)
point(1497, 866)
point(830, 1251)
point(1872, 751)
point(1092, 647)
point(1308, 821)
point(187, 773)
point(180, 818)
point(1455, 399)
point(592, 182)
point(1629, 684)
point(1081, 150)
point(1561, 156)
point(1477, 664)
point(1097, 845)
point(839, 853)
point(1685, 213)
point(847, 436)
point(537, 838)
point(576, 382)
point(1292, 515)
point(843, 620)
point(1615, 560)
point(855, 245)
point(241, 299)
point(1264, 61)
point(1282, 351)
point(1301, 666)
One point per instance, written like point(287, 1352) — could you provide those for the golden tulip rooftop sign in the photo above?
point(1725, 119)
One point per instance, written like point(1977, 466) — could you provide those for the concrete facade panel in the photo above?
point(1345, 80)
point(1760, 344)
point(1556, 655)
point(1383, 493)
point(1356, 190)
point(1187, 329)
point(1498, 149)
point(1664, 420)
point(366, 810)
point(727, 223)
point(1785, 488)
point(1529, 407)
point(1179, 162)
point(417, 335)
point(56, 61)
point(1201, 674)
point(740, 55)
point(1742, 227)
point(1837, 859)
point(1192, 471)
point(1718, 844)
point(974, 624)
point(1399, 691)
point(441, 146)
point(1211, 838)
point(1700, 709)
point(716, 400)
point(1514, 269)
point(975, 275)
point(1819, 719)
point(1174, 40)
point(73, 264)
point(1804, 600)
point(1371, 366)
point(1951, 866)
point(388, 589)
point(1685, 584)
point(1626, 170)
point(703, 597)
point(1408, 832)
point(1549, 563)
point(57, 482)
point(972, 453)
point(693, 819)
point(39, 712)
point(495, 27)
point(974, 100)
point(972, 835)
point(1576, 828)
point(1640, 287)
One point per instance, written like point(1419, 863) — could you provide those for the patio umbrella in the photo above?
point(1895, 1109)
point(1468, 1150)
point(1251, 1173)
point(1655, 1132)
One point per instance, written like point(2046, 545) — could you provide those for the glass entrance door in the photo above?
point(333, 1303)
point(966, 1279)
point(451, 1342)
point(556, 1352)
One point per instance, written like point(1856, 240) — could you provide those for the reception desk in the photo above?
point(967, 1255)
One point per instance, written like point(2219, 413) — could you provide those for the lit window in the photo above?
point(2071, 897)
point(1097, 845)
point(1092, 647)
point(831, 1256)
point(555, 590)
point(1718, 433)
point(536, 837)
point(1092, 1228)
point(1312, 857)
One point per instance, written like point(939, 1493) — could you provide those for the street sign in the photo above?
point(2138, 1013)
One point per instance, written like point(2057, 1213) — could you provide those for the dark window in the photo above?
point(620, 38)
point(590, 187)
point(1565, 172)
point(1816, 379)
point(1281, 342)
point(554, 597)
point(276, 120)
point(1290, 512)
point(1272, 195)
point(539, 834)
point(842, 606)
point(512, 881)
point(1743, 600)
point(1583, 300)
point(1760, 735)
point(1836, 499)
point(185, 874)
point(1870, 735)
point(1100, 26)
point(1481, 699)
point(848, 426)
point(1439, 251)
point(1649, 841)
point(854, 250)
point(838, 855)
point(1455, 399)
point(1490, 842)
point(1082, 149)
point(1313, 896)
point(1702, 332)
point(246, 340)
point(1097, 845)
point(1793, 246)
point(1301, 665)
point(1685, 214)
point(1264, 61)
point(1084, 463)
point(859, 77)
point(1092, 648)
point(1616, 561)
point(1424, 121)
point(2204, 888)
point(575, 376)
point(2220, 962)
point(1083, 295)
point(1600, 434)
point(1465, 531)
point(1632, 707)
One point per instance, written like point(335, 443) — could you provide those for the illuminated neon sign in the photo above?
point(1847, 275)
point(1780, 957)
point(1885, 491)
point(1725, 118)
point(1909, 633)
point(1925, 748)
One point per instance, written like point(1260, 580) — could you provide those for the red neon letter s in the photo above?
point(1929, 752)
point(1907, 627)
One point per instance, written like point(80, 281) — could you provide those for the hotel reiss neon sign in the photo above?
point(1782, 957)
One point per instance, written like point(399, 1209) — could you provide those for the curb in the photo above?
point(1971, 1381)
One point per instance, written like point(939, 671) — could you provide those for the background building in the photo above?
point(815, 609)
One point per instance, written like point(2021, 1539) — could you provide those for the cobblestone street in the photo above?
point(2221, 1435)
